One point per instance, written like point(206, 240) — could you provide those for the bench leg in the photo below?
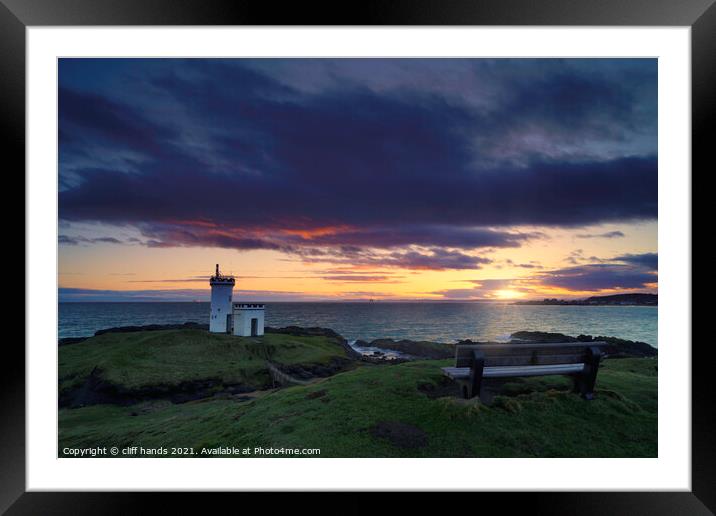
point(588, 378)
point(476, 370)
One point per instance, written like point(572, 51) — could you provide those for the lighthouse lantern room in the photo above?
point(221, 309)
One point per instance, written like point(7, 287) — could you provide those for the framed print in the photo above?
point(420, 253)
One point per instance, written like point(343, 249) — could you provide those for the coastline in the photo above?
point(613, 300)
point(392, 350)
point(435, 322)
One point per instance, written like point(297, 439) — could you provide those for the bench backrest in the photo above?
point(497, 355)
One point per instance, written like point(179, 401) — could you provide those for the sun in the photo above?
point(508, 294)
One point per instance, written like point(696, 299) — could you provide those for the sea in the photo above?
point(433, 321)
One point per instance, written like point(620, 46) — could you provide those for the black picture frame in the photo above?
point(700, 15)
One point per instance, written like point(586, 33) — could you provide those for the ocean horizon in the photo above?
point(437, 321)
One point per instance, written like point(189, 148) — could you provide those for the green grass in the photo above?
point(529, 418)
point(141, 359)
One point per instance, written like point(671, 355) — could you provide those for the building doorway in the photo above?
point(254, 327)
point(229, 324)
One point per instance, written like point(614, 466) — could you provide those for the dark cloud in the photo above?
point(608, 234)
point(361, 278)
point(220, 153)
point(436, 259)
point(394, 236)
point(106, 240)
point(596, 277)
point(176, 235)
point(575, 257)
point(648, 260)
point(76, 240)
point(190, 235)
point(430, 259)
point(89, 295)
point(89, 119)
point(66, 240)
point(196, 279)
point(628, 272)
point(531, 265)
point(92, 295)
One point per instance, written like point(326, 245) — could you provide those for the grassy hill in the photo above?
point(156, 363)
point(361, 410)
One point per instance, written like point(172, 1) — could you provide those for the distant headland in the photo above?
point(617, 299)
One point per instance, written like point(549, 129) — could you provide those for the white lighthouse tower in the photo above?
point(221, 291)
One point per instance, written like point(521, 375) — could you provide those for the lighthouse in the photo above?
point(221, 309)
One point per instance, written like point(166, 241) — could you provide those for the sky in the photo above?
point(354, 179)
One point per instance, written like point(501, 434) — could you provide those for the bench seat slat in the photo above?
point(541, 346)
point(528, 360)
point(457, 373)
point(461, 373)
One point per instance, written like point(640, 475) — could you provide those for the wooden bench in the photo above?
point(473, 362)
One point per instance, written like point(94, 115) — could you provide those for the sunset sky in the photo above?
point(348, 179)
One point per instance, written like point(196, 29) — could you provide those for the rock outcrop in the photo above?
point(616, 348)
point(154, 327)
point(413, 348)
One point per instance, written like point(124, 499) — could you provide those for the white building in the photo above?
point(248, 319)
point(221, 290)
point(244, 319)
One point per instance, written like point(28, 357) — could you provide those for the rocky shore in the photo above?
point(424, 350)
point(407, 349)
point(616, 348)
point(411, 349)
